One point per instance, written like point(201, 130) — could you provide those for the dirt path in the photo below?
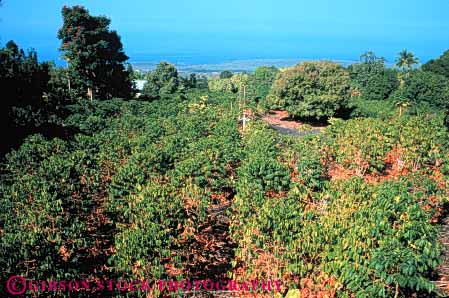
point(442, 278)
point(94, 257)
point(211, 250)
point(280, 121)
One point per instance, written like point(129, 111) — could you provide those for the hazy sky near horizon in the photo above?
point(233, 29)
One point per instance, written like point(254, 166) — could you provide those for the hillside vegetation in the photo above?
point(351, 211)
point(174, 184)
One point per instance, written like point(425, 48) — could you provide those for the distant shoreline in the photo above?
point(237, 66)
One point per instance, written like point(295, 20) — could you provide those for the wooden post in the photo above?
point(90, 93)
point(244, 106)
point(68, 76)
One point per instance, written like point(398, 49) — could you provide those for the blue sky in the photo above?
point(207, 30)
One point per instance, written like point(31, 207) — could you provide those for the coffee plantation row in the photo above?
point(351, 212)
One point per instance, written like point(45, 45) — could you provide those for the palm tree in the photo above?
point(406, 59)
point(368, 57)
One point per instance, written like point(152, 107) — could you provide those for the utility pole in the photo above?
point(243, 105)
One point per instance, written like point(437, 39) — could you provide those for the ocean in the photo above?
point(214, 67)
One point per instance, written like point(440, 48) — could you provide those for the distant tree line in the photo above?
point(165, 81)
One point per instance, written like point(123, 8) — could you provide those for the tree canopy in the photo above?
point(95, 55)
point(226, 74)
point(424, 86)
point(23, 80)
point(164, 80)
point(316, 90)
point(262, 80)
point(372, 79)
point(439, 66)
point(406, 60)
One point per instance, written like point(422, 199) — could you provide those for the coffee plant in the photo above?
point(351, 212)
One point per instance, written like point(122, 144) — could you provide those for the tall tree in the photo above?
point(226, 74)
point(24, 84)
point(163, 80)
point(368, 57)
point(311, 90)
point(95, 55)
point(439, 66)
point(371, 78)
point(406, 59)
point(261, 82)
point(423, 86)
point(23, 81)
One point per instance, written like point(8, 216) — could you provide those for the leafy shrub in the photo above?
point(388, 227)
point(383, 109)
point(427, 87)
point(311, 171)
point(49, 187)
point(351, 237)
point(261, 82)
point(359, 144)
point(264, 174)
point(222, 85)
point(152, 216)
point(363, 144)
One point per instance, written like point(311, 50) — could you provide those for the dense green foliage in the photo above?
point(406, 60)
point(139, 185)
point(257, 85)
point(428, 87)
point(95, 55)
point(344, 236)
point(33, 95)
point(373, 80)
point(23, 81)
point(314, 90)
point(223, 85)
point(419, 91)
point(383, 109)
point(261, 82)
point(117, 158)
point(162, 81)
point(148, 172)
point(439, 66)
point(226, 74)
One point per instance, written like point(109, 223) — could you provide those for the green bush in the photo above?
point(264, 174)
point(386, 225)
point(427, 87)
point(261, 82)
point(372, 239)
point(383, 109)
